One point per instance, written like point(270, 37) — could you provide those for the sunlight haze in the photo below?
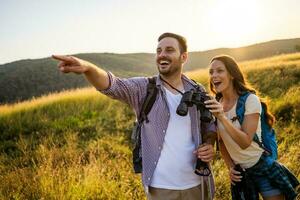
point(35, 29)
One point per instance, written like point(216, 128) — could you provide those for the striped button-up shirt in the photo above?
point(133, 92)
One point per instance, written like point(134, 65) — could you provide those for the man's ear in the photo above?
point(184, 57)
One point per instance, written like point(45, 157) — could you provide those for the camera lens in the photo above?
point(182, 109)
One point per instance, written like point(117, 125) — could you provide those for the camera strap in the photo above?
point(171, 85)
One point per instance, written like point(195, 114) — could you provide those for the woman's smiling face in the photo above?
point(219, 76)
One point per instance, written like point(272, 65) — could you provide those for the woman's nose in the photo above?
point(212, 74)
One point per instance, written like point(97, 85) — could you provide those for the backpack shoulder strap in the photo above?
point(240, 112)
point(241, 106)
point(136, 134)
point(149, 99)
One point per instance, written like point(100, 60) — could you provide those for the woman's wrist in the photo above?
point(222, 117)
point(229, 166)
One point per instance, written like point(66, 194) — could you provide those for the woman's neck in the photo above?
point(229, 96)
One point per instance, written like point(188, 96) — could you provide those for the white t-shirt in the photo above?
point(249, 156)
point(176, 164)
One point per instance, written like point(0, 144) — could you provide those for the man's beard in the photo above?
point(174, 68)
point(170, 71)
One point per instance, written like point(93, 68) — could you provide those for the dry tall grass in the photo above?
point(75, 144)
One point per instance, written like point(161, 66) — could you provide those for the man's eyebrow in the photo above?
point(167, 47)
point(170, 47)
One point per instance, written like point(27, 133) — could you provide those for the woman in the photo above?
point(236, 140)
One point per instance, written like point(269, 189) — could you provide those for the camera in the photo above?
point(190, 98)
point(240, 169)
point(197, 98)
point(239, 190)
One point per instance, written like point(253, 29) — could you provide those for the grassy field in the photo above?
point(75, 144)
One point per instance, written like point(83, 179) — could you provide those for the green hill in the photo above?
point(75, 144)
point(25, 79)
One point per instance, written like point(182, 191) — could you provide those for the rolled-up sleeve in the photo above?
point(128, 90)
point(110, 89)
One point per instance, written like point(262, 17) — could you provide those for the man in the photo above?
point(169, 141)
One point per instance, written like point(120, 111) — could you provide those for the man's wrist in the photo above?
point(89, 67)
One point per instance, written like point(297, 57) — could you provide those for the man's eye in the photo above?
point(170, 50)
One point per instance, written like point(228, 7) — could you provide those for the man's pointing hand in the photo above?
point(71, 64)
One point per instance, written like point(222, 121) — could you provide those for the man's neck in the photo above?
point(174, 80)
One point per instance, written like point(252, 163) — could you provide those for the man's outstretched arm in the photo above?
point(96, 76)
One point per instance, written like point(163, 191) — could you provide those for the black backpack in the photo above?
point(136, 132)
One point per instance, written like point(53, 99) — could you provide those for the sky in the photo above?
point(31, 29)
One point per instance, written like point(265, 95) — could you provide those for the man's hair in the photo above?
point(181, 40)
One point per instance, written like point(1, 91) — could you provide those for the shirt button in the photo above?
point(154, 163)
point(159, 148)
point(148, 178)
point(164, 131)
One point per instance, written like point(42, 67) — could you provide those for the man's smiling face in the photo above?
point(169, 59)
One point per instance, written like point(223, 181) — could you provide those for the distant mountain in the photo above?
point(29, 78)
point(256, 51)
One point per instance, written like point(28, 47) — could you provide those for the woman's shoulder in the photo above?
point(253, 98)
point(253, 103)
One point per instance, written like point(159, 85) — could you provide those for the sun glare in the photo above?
point(234, 22)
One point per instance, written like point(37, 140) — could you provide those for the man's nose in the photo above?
point(161, 54)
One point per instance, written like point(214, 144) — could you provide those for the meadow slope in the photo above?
point(75, 144)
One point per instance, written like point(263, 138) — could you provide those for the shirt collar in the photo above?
point(187, 83)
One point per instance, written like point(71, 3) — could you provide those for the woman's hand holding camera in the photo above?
point(235, 176)
point(215, 108)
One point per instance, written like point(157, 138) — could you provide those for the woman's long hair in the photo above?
point(240, 84)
